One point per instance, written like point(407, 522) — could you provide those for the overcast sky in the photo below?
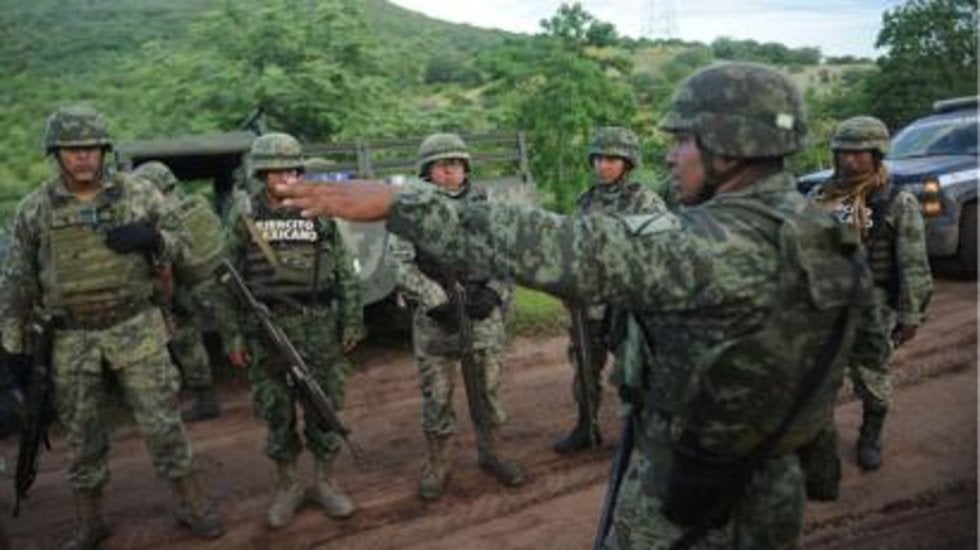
point(837, 27)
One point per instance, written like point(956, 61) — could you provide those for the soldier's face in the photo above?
point(280, 177)
point(686, 164)
point(855, 163)
point(82, 165)
point(448, 173)
point(608, 170)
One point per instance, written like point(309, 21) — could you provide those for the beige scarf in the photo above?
point(854, 190)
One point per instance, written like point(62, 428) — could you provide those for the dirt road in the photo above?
point(925, 496)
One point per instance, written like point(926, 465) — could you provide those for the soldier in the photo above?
point(86, 244)
point(747, 298)
point(888, 222)
point(302, 270)
point(188, 301)
point(444, 163)
point(613, 154)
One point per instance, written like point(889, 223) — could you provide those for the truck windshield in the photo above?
point(944, 136)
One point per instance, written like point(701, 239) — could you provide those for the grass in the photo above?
point(534, 313)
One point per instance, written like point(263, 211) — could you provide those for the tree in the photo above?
point(307, 63)
point(559, 86)
point(932, 54)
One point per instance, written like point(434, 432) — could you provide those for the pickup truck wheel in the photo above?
point(966, 256)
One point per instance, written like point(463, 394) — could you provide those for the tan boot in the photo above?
point(89, 527)
point(327, 493)
point(289, 494)
point(506, 471)
point(437, 467)
point(195, 510)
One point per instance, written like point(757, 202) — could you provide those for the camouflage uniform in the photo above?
point(737, 295)
point(888, 221)
point(191, 289)
point(437, 350)
point(63, 264)
point(624, 197)
point(313, 292)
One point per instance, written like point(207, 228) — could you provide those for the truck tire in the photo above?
point(966, 256)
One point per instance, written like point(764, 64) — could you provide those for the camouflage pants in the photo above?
point(188, 351)
point(598, 353)
point(868, 369)
point(438, 372)
point(135, 351)
point(313, 335)
point(770, 515)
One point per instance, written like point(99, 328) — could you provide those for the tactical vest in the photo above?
point(622, 201)
point(90, 283)
point(881, 241)
point(289, 275)
point(755, 366)
point(205, 240)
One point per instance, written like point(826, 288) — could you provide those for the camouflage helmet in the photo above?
point(319, 164)
point(861, 133)
point(275, 151)
point(76, 126)
point(441, 146)
point(158, 174)
point(740, 110)
point(615, 141)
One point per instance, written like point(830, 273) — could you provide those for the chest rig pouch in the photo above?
point(91, 284)
point(285, 263)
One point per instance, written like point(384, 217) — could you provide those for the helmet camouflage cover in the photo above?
point(740, 110)
point(441, 146)
point(76, 126)
point(158, 174)
point(861, 133)
point(275, 151)
point(614, 141)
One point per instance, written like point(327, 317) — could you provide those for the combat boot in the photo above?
point(205, 406)
point(195, 510)
point(327, 493)
point(506, 471)
point(89, 527)
point(437, 467)
point(289, 494)
point(869, 439)
point(578, 438)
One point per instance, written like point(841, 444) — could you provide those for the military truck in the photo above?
point(935, 157)
point(500, 162)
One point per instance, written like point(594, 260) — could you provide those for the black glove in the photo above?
point(134, 237)
point(481, 300)
point(446, 316)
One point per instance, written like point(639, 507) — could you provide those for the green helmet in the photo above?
point(275, 151)
point(158, 174)
point(76, 126)
point(441, 146)
point(861, 133)
point(740, 110)
point(319, 164)
point(614, 141)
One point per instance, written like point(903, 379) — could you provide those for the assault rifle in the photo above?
point(298, 374)
point(620, 463)
point(471, 372)
point(581, 340)
point(40, 412)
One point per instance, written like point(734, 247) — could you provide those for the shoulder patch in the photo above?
point(649, 224)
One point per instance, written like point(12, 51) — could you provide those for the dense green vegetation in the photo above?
point(331, 69)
